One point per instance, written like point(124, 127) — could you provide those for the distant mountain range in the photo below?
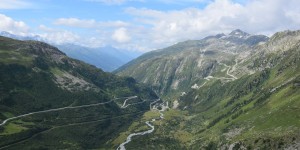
point(107, 58)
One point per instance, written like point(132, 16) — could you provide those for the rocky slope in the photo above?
point(48, 100)
point(184, 65)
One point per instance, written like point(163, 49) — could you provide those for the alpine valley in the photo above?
point(235, 91)
point(227, 91)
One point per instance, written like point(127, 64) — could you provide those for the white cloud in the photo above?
point(14, 4)
point(12, 26)
point(74, 22)
point(152, 29)
point(48, 34)
point(182, 1)
point(119, 2)
point(108, 1)
point(114, 2)
point(58, 36)
point(121, 35)
point(220, 16)
point(88, 23)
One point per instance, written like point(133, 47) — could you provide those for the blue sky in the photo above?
point(143, 25)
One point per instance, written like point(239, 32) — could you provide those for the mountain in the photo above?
point(179, 67)
point(234, 91)
point(106, 58)
point(51, 101)
point(254, 111)
point(247, 99)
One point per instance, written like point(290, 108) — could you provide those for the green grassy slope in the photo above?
point(35, 76)
point(255, 111)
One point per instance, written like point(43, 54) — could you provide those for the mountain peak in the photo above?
point(238, 32)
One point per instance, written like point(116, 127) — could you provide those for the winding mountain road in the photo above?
point(154, 103)
point(59, 109)
point(129, 138)
point(67, 125)
point(229, 69)
point(125, 105)
point(232, 69)
point(164, 107)
point(152, 128)
point(129, 98)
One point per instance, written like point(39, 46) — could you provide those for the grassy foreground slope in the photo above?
point(35, 76)
point(261, 110)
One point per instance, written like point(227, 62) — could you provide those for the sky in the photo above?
point(144, 25)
